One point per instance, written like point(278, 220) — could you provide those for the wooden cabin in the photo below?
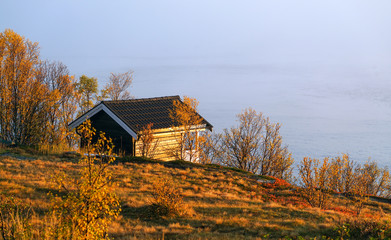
point(123, 121)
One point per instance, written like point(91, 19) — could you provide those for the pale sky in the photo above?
point(213, 31)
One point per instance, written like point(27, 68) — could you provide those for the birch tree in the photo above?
point(256, 146)
point(118, 85)
point(87, 87)
point(210, 148)
point(57, 79)
point(88, 204)
point(22, 97)
point(37, 98)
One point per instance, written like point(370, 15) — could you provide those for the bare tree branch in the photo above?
point(118, 85)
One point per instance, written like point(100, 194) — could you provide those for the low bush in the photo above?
point(315, 181)
point(15, 219)
point(363, 229)
point(167, 200)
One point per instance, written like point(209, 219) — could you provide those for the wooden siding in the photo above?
point(166, 140)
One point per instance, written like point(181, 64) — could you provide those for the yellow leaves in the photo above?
point(35, 96)
point(148, 142)
point(315, 181)
point(342, 175)
point(167, 199)
point(256, 146)
point(20, 91)
point(186, 123)
point(185, 113)
point(92, 205)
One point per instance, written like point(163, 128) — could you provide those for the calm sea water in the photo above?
point(324, 110)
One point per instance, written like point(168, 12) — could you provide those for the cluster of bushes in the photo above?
point(343, 176)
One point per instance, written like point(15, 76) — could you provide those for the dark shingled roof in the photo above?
point(137, 113)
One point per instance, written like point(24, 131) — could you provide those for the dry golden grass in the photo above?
point(225, 204)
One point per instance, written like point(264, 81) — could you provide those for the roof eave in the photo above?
point(102, 107)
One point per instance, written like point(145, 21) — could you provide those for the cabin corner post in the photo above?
point(134, 147)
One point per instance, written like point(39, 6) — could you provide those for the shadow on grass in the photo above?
point(181, 164)
point(142, 213)
point(48, 191)
point(220, 228)
point(196, 225)
point(222, 200)
point(44, 193)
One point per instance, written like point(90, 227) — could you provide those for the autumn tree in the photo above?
point(210, 148)
point(24, 99)
point(57, 79)
point(378, 179)
point(88, 203)
point(241, 145)
point(359, 191)
point(367, 180)
point(37, 98)
point(18, 57)
point(118, 85)
point(186, 130)
point(147, 141)
point(87, 87)
point(342, 174)
point(256, 146)
point(276, 159)
point(315, 181)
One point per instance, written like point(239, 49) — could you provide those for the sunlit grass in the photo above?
point(226, 204)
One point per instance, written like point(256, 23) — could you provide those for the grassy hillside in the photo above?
point(221, 203)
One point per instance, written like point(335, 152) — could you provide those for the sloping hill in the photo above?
point(221, 203)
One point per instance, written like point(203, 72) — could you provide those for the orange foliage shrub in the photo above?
point(278, 183)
